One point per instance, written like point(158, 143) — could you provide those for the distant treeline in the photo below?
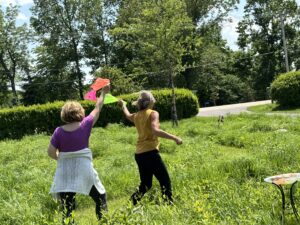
point(146, 45)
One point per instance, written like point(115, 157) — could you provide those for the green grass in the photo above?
point(272, 108)
point(217, 174)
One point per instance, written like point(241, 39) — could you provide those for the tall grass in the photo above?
point(217, 174)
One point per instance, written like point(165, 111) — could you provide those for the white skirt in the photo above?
point(75, 173)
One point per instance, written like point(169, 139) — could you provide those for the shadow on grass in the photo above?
point(285, 108)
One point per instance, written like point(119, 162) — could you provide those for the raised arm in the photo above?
point(126, 112)
point(160, 133)
point(95, 113)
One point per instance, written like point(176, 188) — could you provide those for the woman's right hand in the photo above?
point(95, 113)
point(106, 89)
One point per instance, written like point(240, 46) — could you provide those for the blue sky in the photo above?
point(228, 32)
point(229, 27)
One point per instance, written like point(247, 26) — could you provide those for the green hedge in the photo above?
point(20, 121)
point(285, 89)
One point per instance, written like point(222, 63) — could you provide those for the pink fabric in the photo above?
point(91, 95)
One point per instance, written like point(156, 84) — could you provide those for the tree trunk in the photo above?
point(11, 77)
point(174, 110)
point(78, 72)
point(105, 49)
point(79, 77)
point(14, 91)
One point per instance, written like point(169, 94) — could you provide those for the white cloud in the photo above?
point(15, 2)
point(229, 31)
point(22, 16)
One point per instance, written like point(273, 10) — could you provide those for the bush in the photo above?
point(285, 89)
point(20, 121)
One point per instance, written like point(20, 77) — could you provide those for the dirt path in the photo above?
point(229, 109)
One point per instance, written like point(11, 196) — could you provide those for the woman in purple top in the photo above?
point(75, 172)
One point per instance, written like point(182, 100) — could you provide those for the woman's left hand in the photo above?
point(106, 89)
point(178, 141)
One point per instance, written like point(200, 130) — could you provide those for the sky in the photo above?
point(229, 27)
point(229, 32)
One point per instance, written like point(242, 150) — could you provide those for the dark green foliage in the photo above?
point(286, 89)
point(14, 56)
point(41, 90)
point(120, 82)
point(260, 36)
point(20, 121)
point(233, 89)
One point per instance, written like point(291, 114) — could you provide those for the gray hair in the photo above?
point(144, 100)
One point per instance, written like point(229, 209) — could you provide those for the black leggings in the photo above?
point(68, 202)
point(149, 164)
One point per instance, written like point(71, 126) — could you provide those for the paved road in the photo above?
point(229, 109)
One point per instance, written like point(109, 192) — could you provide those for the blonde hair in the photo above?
point(72, 112)
point(145, 100)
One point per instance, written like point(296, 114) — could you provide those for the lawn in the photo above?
point(217, 174)
point(273, 108)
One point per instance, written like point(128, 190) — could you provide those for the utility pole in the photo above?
point(284, 44)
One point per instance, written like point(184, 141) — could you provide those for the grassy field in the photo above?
point(217, 174)
point(272, 108)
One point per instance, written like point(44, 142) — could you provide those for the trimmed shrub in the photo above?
point(285, 89)
point(20, 121)
point(186, 103)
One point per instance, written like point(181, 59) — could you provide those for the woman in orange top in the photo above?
point(147, 156)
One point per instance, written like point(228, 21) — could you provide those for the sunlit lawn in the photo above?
point(217, 174)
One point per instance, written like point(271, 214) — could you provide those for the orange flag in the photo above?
point(99, 83)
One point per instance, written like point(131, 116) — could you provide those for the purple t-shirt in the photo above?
point(71, 141)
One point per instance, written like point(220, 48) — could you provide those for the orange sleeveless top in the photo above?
point(146, 140)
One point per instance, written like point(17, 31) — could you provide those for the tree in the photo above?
point(155, 35)
point(120, 83)
point(64, 23)
point(14, 55)
point(3, 89)
point(260, 34)
point(97, 43)
point(213, 10)
point(52, 78)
